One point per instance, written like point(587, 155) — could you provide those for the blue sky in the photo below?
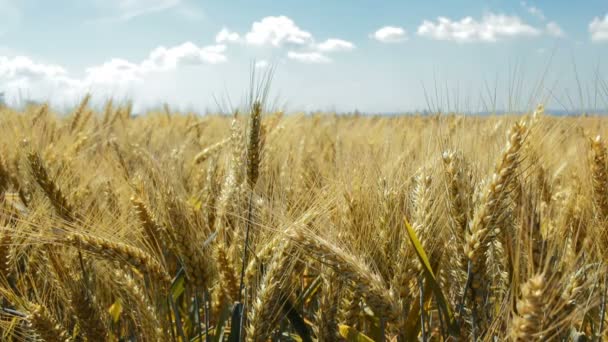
point(375, 56)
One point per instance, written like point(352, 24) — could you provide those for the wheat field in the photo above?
point(262, 226)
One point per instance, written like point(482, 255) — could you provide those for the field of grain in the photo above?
point(262, 226)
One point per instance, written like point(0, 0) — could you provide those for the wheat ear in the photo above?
point(150, 321)
point(45, 325)
point(152, 229)
point(599, 176)
point(254, 146)
point(186, 240)
point(209, 151)
point(79, 112)
point(5, 248)
point(5, 177)
point(489, 213)
point(120, 252)
point(528, 321)
point(81, 300)
point(50, 188)
point(271, 296)
point(348, 268)
point(88, 312)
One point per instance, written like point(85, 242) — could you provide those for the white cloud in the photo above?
point(277, 31)
point(280, 31)
point(117, 71)
point(18, 73)
point(390, 34)
point(21, 75)
point(225, 35)
point(599, 29)
point(553, 29)
point(162, 59)
point(333, 44)
point(24, 67)
point(535, 11)
point(491, 28)
point(308, 57)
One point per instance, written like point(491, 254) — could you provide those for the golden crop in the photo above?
point(260, 226)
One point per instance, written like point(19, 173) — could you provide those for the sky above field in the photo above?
point(374, 56)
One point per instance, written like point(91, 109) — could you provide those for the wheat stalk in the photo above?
point(123, 253)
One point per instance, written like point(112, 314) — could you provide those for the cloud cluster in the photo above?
point(277, 31)
point(117, 74)
point(491, 28)
point(390, 34)
point(22, 75)
point(598, 28)
point(161, 59)
point(333, 44)
point(227, 36)
point(23, 67)
point(282, 32)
